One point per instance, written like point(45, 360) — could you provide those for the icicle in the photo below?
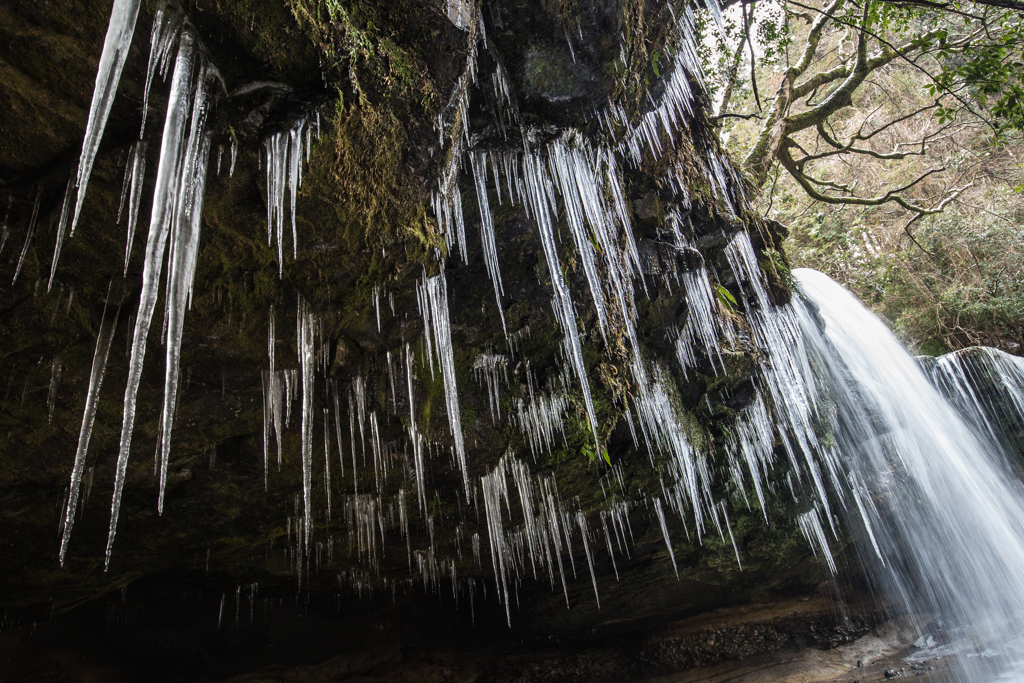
point(327, 464)
point(337, 426)
point(62, 225)
point(138, 173)
point(265, 377)
point(495, 490)
point(434, 306)
point(987, 386)
point(5, 232)
point(108, 323)
point(565, 171)
point(453, 123)
point(51, 397)
point(306, 340)
point(753, 438)
point(538, 191)
point(539, 417)
point(478, 161)
point(664, 532)
point(581, 519)
point(732, 539)
point(184, 250)
point(810, 527)
point(271, 400)
point(166, 190)
point(490, 369)
point(167, 23)
point(125, 183)
point(785, 376)
point(414, 436)
point(28, 234)
point(608, 542)
point(234, 157)
point(376, 304)
point(702, 326)
point(115, 51)
point(284, 177)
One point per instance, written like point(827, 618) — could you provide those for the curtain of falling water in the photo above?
point(945, 517)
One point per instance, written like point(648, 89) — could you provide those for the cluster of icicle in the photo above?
point(567, 177)
point(286, 154)
point(572, 178)
point(172, 245)
point(175, 223)
point(987, 386)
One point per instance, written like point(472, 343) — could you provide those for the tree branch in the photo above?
point(753, 55)
point(937, 209)
point(894, 195)
point(745, 117)
point(730, 80)
point(1015, 5)
point(863, 29)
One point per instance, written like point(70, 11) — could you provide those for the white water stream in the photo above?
point(944, 515)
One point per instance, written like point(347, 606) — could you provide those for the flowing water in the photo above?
point(944, 515)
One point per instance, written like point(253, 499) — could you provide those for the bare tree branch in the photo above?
point(894, 195)
point(1015, 5)
point(886, 44)
point(745, 117)
point(760, 158)
point(936, 209)
point(753, 55)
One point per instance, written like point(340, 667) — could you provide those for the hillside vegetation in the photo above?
point(902, 181)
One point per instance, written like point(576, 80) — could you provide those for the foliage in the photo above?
point(994, 72)
point(355, 41)
point(902, 186)
point(963, 286)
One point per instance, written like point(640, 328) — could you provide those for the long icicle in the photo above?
point(138, 174)
point(182, 260)
point(167, 23)
point(434, 306)
point(166, 190)
point(478, 162)
point(270, 391)
point(306, 343)
point(538, 191)
point(108, 324)
point(115, 51)
point(62, 225)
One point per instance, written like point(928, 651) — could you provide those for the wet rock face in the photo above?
point(561, 55)
point(554, 77)
point(377, 74)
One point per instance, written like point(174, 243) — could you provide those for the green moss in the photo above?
point(357, 42)
point(357, 177)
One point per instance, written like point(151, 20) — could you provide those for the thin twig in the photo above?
point(753, 56)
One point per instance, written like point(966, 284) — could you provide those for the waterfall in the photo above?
point(942, 511)
point(987, 386)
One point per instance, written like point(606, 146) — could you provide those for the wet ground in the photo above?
point(795, 640)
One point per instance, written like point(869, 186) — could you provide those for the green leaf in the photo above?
point(725, 297)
